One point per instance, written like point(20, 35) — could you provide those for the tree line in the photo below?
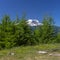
point(17, 32)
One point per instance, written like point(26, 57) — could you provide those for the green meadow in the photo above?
point(31, 52)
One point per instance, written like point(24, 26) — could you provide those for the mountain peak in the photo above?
point(33, 22)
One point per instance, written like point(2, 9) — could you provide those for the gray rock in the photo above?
point(42, 52)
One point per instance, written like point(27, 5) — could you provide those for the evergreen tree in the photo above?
point(23, 33)
point(6, 32)
point(47, 30)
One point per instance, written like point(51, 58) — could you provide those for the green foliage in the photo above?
point(47, 30)
point(23, 33)
point(18, 32)
point(58, 38)
point(6, 36)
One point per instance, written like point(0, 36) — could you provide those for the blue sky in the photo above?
point(34, 9)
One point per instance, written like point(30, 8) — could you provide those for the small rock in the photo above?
point(12, 53)
point(54, 54)
point(50, 54)
point(42, 52)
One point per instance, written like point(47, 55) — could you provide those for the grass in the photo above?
point(30, 52)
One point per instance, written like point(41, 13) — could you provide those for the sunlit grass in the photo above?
point(30, 52)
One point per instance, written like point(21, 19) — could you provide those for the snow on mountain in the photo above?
point(33, 22)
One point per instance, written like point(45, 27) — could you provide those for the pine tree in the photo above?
point(23, 33)
point(47, 30)
point(6, 32)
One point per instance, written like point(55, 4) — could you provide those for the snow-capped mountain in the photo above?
point(33, 22)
